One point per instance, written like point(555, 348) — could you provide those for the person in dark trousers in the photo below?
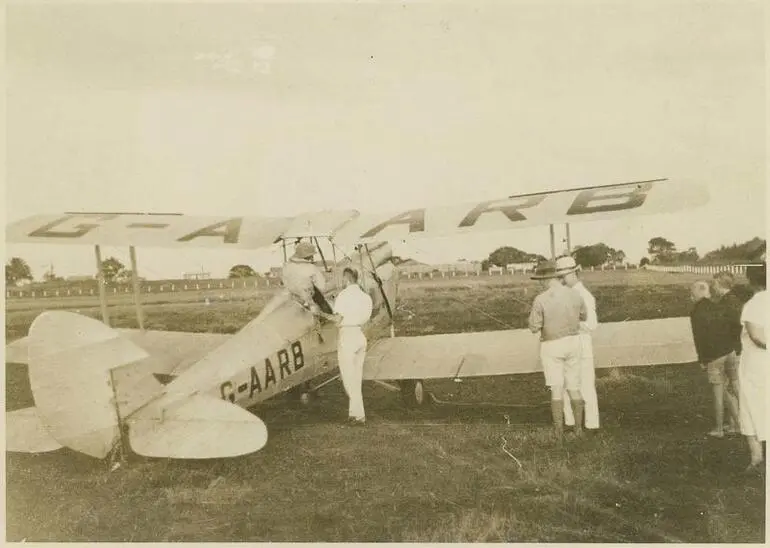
point(732, 297)
point(715, 345)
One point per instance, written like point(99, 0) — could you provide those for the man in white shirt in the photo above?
point(352, 309)
point(304, 280)
point(567, 269)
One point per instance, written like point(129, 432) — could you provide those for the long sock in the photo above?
point(557, 412)
point(578, 406)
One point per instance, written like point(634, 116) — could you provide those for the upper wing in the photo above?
point(171, 230)
point(645, 342)
point(518, 211)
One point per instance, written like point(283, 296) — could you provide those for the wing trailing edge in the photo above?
point(489, 353)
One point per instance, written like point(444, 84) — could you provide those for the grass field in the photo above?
point(442, 473)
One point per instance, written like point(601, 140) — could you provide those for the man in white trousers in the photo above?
point(567, 269)
point(352, 309)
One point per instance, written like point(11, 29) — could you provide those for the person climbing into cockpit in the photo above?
point(304, 280)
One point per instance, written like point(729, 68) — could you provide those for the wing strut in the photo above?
point(320, 251)
point(382, 291)
point(136, 288)
point(102, 289)
point(553, 242)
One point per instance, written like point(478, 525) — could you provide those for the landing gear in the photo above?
point(413, 393)
point(302, 393)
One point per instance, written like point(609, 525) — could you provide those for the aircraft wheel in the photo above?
point(414, 393)
point(301, 393)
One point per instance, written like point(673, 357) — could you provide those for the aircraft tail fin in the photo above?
point(26, 433)
point(70, 358)
point(201, 427)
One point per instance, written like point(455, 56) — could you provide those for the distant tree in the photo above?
point(111, 268)
point(241, 271)
point(124, 276)
point(596, 255)
point(644, 262)
point(51, 276)
point(748, 251)
point(485, 265)
point(16, 270)
point(661, 250)
point(504, 256)
point(689, 256)
point(619, 256)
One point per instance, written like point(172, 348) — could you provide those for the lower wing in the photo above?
point(620, 344)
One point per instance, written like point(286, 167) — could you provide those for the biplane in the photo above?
point(187, 395)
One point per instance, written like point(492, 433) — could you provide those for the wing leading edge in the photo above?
point(489, 353)
point(517, 211)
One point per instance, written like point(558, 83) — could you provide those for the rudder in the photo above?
point(70, 358)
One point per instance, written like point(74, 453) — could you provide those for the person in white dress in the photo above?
point(568, 268)
point(752, 371)
point(352, 309)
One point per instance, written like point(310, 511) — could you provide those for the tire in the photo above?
point(414, 393)
point(301, 393)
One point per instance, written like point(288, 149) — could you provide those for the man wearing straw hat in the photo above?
point(304, 280)
point(567, 269)
point(556, 315)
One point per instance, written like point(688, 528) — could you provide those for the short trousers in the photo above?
point(723, 370)
point(561, 362)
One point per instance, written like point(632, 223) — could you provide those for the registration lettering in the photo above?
point(597, 200)
point(228, 230)
point(78, 230)
point(509, 207)
point(414, 218)
point(289, 360)
point(116, 226)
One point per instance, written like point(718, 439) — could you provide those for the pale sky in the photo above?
point(275, 109)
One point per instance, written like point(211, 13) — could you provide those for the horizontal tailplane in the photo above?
point(202, 427)
point(70, 358)
point(25, 433)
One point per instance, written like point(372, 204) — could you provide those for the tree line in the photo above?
point(660, 250)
